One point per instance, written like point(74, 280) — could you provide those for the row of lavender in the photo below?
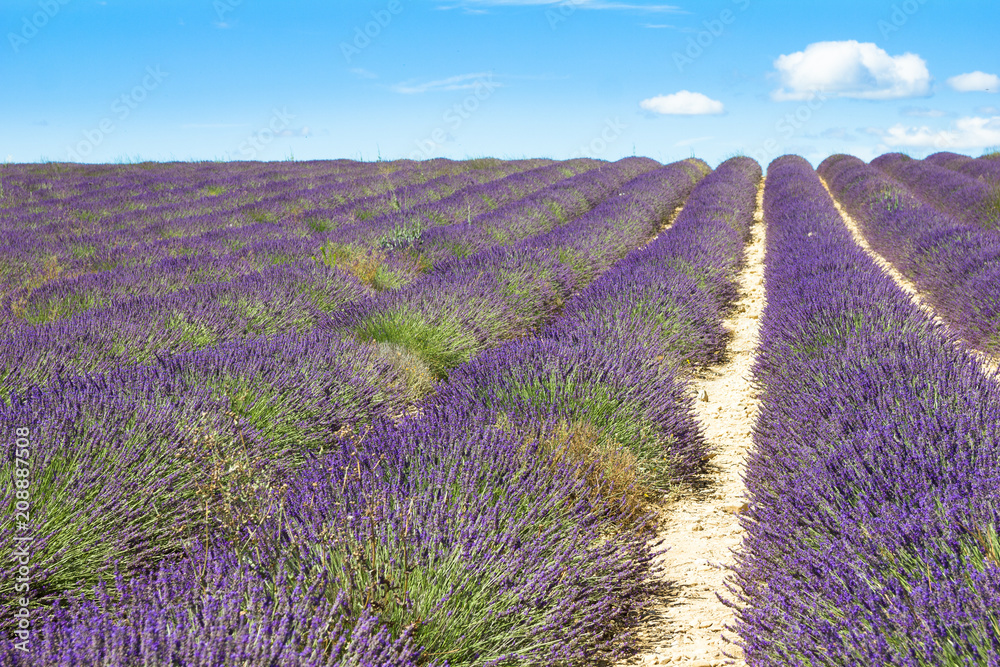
point(464, 535)
point(156, 206)
point(447, 229)
point(391, 250)
point(222, 255)
point(985, 168)
point(608, 368)
point(295, 296)
point(970, 200)
point(872, 526)
point(73, 199)
point(291, 394)
point(956, 264)
point(236, 226)
point(508, 291)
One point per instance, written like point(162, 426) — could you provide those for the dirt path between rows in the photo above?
point(991, 364)
point(686, 626)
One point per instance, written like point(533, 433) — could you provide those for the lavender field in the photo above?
point(432, 412)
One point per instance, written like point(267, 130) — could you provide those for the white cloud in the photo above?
point(363, 73)
point(968, 132)
point(682, 103)
point(975, 82)
point(850, 69)
point(460, 82)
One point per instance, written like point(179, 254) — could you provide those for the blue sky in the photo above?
point(110, 80)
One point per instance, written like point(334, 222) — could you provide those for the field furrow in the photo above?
point(688, 624)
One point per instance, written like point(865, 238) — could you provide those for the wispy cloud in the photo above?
point(478, 6)
point(923, 112)
point(837, 133)
point(460, 82)
point(304, 131)
point(967, 132)
point(363, 73)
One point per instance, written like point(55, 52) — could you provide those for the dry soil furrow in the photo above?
point(687, 625)
point(991, 364)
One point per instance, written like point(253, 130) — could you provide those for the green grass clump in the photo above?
point(367, 265)
point(598, 424)
point(441, 344)
point(401, 235)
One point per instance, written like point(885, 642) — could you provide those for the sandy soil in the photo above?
point(686, 625)
point(991, 364)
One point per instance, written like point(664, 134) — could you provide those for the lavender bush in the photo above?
point(458, 534)
point(947, 159)
point(437, 540)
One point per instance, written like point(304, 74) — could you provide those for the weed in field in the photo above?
point(190, 332)
point(403, 234)
point(50, 270)
point(59, 307)
point(611, 470)
point(367, 265)
point(415, 372)
point(235, 490)
point(441, 345)
point(889, 199)
point(597, 425)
